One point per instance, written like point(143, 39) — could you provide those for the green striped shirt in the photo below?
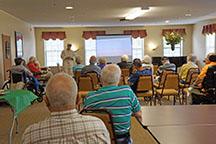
point(120, 101)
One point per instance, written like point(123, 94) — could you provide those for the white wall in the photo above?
point(8, 25)
point(198, 40)
point(74, 36)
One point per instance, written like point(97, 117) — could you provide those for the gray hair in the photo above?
point(147, 59)
point(192, 58)
point(124, 57)
point(61, 90)
point(78, 59)
point(111, 74)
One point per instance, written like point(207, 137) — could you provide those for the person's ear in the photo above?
point(46, 101)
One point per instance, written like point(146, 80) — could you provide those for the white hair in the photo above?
point(61, 90)
point(111, 74)
point(147, 59)
point(192, 58)
point(124, 57)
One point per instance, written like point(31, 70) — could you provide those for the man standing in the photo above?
point(65, 125)
point(120, 101)
point(67, 56)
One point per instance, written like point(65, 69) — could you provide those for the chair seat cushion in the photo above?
point(167, 91)
point(143, 94)
point(185, 90)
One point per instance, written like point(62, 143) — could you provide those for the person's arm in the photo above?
point(201, 75)
point(63, 56)
point(138, 115)
point(33, 68)
point(132, 79)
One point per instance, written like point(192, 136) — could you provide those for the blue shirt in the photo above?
point(77, 67)
point(134, 76)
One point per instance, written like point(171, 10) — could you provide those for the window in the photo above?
point(210, 43)
point(52, 49)
point(137, 45)
point(167, 49)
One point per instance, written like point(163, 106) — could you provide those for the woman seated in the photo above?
point(35, 68)
point(147, 64)
point(102, 62)
point(79, 66)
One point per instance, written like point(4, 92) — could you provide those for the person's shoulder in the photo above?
point(124, 88)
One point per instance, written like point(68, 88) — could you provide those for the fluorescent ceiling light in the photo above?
point(68, 7)
point(137, 12)
point(167, 21)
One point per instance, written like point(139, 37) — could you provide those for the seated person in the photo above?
point(92, 66)
point(210, 61)
point(102, 62)
point(133, 80)
point(185, 67)
point(65, 125)
point(147, 64)
point(36, 70)
point(124, 62)
point(19, 62)
point(79, 66)
point(120, 101)
point(166, 65)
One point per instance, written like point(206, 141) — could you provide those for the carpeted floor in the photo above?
point(38, 112)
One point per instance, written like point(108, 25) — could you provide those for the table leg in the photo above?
point(12, 126)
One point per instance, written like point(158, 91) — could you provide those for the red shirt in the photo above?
point(33, 68)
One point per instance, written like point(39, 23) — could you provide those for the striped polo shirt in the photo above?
point(120, 101)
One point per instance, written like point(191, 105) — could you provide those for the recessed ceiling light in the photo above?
point(68, 7)
point(167, 21)
point(188, 14)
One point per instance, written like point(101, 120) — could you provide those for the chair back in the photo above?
point(171, 81)
point(193, 78)
point(121, 81)
point(145, 83)
point(77, 74)
point(190, 72)
point(59, 67)
point(155, 69)
point(163, 75)
point(85, 83)
point(94, 76)
point(106, 117)
point(125, 72)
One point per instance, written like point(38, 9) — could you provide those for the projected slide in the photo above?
point(112, 47)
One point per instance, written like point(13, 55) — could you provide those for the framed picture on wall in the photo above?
point(19, 44)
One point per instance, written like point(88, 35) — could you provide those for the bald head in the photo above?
point(61, 91)
point(93, 60)
point(111, 74)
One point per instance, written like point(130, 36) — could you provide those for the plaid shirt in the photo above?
point(67, 127)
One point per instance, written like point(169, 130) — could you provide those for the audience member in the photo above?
point(102, 62)
point(34, 67)
point(120, 101)
point(147, 63)
point(65, 125)
point(67, 56)
point(184, 69)
point(91, 67)
point(196, 88)
point(20, 68)
point(79, 66)
point(124, 62)
point(132, 81)
point(166, 65)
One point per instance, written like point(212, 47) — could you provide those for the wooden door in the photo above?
point(7, 62)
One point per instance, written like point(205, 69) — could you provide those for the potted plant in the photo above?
point(172, 39)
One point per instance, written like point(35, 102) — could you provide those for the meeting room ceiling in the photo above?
point(52, 13)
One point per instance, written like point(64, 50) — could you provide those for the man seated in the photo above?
point(166, 65)
point(19, 68)
point(92, 66)
point(184, 69)
point(120, 101)
point(36, 70)
point(65, 125)
point(196, 88)
point(133, 80)
point(124, 62)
